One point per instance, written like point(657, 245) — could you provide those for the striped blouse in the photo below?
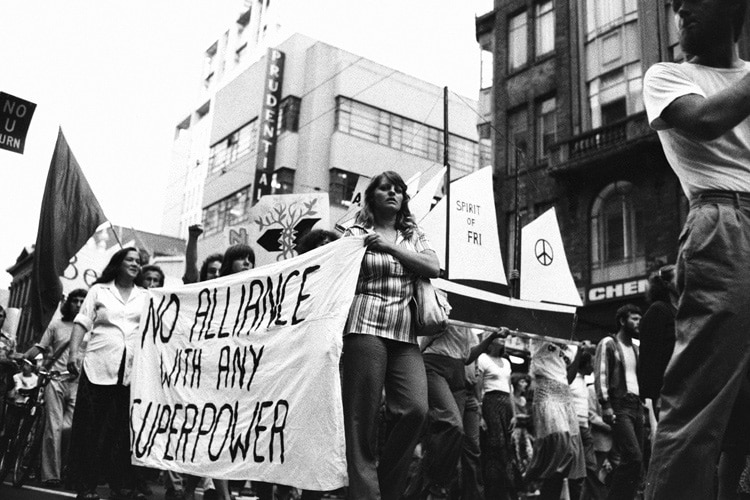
point(384, 289)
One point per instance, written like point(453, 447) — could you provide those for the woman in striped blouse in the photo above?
point(380, 348)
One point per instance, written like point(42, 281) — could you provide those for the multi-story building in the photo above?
point(242, 43)
point(561, 97)
point(340, 117)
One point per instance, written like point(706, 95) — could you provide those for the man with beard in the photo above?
point(616, 382)
point(700, 109)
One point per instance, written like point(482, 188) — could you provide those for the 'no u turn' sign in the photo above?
point(15, 118)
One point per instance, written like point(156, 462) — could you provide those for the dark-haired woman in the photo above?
point(380, 349)
point(237, 258)
point(59, 395)
point(112, 313)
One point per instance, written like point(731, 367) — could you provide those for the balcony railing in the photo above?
point(599, 142)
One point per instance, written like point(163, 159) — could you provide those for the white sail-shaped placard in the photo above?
point(475, 246)
point(545, 275)
point(422, 201)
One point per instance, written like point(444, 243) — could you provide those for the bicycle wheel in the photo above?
point(27, 450)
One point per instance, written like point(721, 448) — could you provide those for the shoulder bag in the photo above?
point(430, 309)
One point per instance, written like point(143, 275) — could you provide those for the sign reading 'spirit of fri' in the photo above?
point(15, 118)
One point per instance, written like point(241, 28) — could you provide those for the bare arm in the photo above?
point(191, 254)
point(484, 344)
point(32, 352)
point(707, 118)
point(76, 337)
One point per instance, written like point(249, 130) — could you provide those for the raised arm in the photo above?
point(485, 343)
point(191, 254)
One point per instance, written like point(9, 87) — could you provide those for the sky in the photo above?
point(118, 76)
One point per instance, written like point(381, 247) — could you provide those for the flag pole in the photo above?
point(447, 165)
point(115, 233)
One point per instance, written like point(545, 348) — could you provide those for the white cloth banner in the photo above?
point(238, 377)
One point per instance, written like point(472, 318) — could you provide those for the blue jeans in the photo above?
point(712, 349)
point(370, 364)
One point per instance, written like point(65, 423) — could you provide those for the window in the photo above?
point(289, 114)
point(282, 181)
point(545, 28)
point(546, 120)
point(615, 95)
point(235, 146)
point(484, 130)
point(381, 127)
point(517, 140)
point(239, 52)
point(517, 41)
point(487, 69)
point(341, 187)
point(603, 14)
point(232, 210)
point(617, 244)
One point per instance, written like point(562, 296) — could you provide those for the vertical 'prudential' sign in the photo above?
point(268, 119)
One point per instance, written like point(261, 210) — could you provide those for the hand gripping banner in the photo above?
point(238, 377)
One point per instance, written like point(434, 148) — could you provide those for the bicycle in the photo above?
point(20, 453)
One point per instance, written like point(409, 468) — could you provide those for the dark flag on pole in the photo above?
point(69, 217)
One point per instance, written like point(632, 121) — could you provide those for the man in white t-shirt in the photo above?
point(700, 109)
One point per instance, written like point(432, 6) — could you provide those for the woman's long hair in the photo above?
point(233, 253)
point(203, 274)
point(404, 219)
point(113, 268)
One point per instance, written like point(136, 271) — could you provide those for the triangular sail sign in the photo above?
point(545, 275)
point(421, 202)
point(474, 242)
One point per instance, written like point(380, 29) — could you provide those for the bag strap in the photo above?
point(56, 355)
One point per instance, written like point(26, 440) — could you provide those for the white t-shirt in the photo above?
point(580, 394)
point(495, 373)
point(629, 362)
point(456, 342)
point(722, 163)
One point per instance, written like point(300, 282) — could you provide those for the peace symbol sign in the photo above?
point(543, 252)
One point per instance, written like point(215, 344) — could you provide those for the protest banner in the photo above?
point(238, 377)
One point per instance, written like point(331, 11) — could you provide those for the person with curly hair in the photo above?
point(380, 348)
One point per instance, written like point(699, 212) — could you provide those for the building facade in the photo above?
point(561, 97)
point(340, 118)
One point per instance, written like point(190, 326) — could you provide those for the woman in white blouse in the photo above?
point(497, 411)
point(112, 313)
